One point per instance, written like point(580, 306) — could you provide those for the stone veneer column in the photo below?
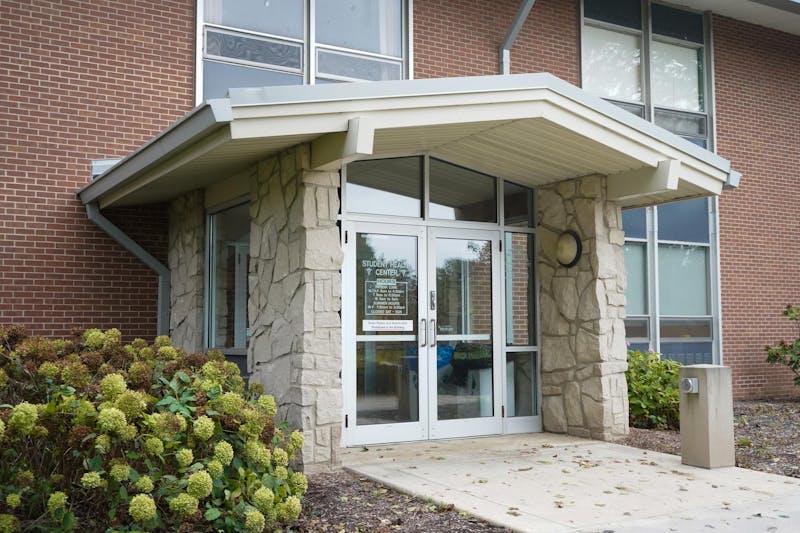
point(582, 310)
point(294, 300)
point(185, 260)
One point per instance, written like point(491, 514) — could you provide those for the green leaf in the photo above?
point(169, 400)
point(123, 492)
point(212, 514)
point(181, 375)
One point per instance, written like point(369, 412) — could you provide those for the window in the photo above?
point(668, 257)
point(228, 261)
point(250, 43)
point(649, 59)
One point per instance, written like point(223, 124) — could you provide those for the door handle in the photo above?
point(433, 332)
point(423, 332)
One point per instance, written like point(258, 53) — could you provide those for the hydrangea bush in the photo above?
point(98, 435)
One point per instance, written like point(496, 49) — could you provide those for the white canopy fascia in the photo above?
point(533, 129)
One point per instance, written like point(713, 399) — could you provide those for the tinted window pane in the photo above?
point(230, 252)
point(677, 23)
point(518, 205)
point(278, 17)
point(636, 268)
point(254, 49)
point(623, 12)
point(219, 77)
point(684, 221)
point(358, 67)
point(634, 222)
point(458, 193)
point(520, 299)
point(681, 123)
point(682, 328)
point(683, 280)
point(634, 109)
point(702, 143)
point(636, 328)
point(677, 76)
point(688, 353)
point(612, 64)
point(385, 187)
point(639, 346)
point(368, 25)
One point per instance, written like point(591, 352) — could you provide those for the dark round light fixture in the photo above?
point(568, 249)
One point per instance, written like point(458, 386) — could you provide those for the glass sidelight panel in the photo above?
point(387, 359)
point(521, 384)
point(464, 381)
point(520, 297)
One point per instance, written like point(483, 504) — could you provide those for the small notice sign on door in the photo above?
point(387, 325)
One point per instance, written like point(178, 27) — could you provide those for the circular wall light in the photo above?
point(568, 249)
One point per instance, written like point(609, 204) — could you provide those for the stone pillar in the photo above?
point(294, 300)
point(185, 260)
point(583, 352)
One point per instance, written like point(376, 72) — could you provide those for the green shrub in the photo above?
point(98, 435)
point(788, 353)
point(652, 391)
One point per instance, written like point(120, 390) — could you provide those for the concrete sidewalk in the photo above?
point(545, 482)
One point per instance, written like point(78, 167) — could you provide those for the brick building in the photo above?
point(379, 243)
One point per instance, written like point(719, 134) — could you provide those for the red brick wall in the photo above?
point(758, 105)
point(80, 81)
point(462, 38)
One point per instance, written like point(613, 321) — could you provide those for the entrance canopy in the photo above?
point(533, 129)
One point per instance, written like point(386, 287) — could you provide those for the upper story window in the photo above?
point(252, 43)
point(649, 59)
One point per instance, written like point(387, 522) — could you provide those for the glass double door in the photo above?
point(421, 317)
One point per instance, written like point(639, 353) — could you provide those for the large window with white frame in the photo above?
point(251, 43)
point(650, 59)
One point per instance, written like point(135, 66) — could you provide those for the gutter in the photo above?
point(162, 322)
point(516, 25)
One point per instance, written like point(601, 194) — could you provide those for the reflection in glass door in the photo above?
point(422, 333)
point(386, 328)
point(461, 307)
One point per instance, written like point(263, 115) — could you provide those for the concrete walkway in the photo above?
point(545, 482)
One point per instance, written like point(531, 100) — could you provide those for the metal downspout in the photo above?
point(162, 323)
point(516, 25)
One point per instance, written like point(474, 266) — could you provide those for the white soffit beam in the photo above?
point(333, 150)
point(644, 181)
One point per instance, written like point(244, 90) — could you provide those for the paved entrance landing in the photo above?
point(545, 482)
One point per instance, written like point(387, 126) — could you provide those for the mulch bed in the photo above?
point(767, 437)
point(342, 501)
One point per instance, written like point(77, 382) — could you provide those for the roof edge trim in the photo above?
point(200, 121)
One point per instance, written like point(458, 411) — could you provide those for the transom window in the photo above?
point(250, 43)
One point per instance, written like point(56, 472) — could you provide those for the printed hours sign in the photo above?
point(385, 296)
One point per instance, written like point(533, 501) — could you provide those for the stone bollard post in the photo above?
point(706, 416)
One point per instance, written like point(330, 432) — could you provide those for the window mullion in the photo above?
point(311, 42)
point(652, 245)
point(647, 40)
